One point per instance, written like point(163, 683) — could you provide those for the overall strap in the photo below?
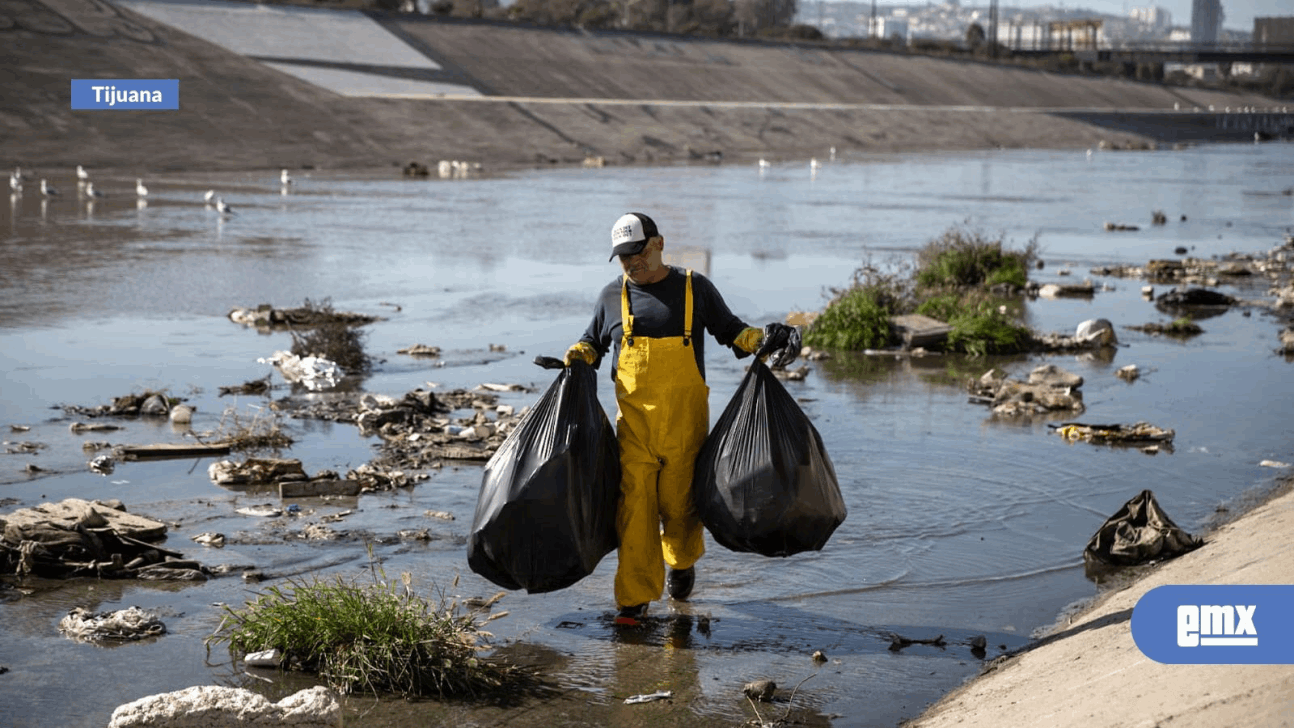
point(626, 316)
point(687, 312)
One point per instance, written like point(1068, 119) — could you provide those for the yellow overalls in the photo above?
point(662, 421)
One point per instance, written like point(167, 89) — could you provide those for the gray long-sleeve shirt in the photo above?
point(658, 312)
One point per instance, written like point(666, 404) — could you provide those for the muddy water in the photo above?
point(959, 524)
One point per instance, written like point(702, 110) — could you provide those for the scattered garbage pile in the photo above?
point(1048, 389)
point(1181, 328)
point(1141, 434)
point(1274, 265)
point(306, 316)
point(212, 705)
point(1198, 302)
point(1089, 335)
point(147, 404)
point(420, 429)
point(122, 625)
point(83, 538)
point(1139, 532)
point(313, 372)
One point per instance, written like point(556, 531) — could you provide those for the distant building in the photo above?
point(1206, 19)
point(1274, 31)
point(1154, 16)
point(887, 28)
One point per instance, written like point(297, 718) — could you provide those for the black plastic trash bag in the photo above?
point(1138, 533)
point(763, 481)
point(546, 514)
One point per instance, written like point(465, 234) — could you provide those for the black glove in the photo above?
point(782, 344)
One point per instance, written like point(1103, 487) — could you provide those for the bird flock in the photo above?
point(815, 164)
point(18, 180)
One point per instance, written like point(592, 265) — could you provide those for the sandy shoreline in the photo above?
point(1090, 673)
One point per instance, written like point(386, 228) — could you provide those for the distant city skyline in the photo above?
point(1239, 14)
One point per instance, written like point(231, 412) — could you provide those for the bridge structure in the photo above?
point(1159, 52)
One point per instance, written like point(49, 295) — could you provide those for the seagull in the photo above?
point(833, 153)
point(814, 163)
point(46, 190)
point(140, 189)
point(222, 208)
point(764, 164)
point(15, 182)
point(208, 196)
point(91, 191)
point(285, 178)
point(81, 174)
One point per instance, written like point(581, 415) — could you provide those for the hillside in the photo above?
point(628, 98)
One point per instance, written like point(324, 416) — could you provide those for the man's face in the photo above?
point(646, 266)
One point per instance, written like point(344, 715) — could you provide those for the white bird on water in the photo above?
point(15, 182)
point(91, 191)
point(764, 164)
point(285, 178)
point(814, 164)
point(81, 174)
point(140, 189)
point(222, 208)
point(46, 190)
point(208, 196)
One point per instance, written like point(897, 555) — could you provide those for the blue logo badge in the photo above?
point(1216, 624)
point(150, 94)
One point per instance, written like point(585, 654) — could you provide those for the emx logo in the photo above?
point(1216, 624)
point(1213, 625)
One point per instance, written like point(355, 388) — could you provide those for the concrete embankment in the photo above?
point(527, 96)
point(1090, 674)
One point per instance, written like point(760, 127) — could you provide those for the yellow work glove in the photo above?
point(582, 351)
point(749, 339)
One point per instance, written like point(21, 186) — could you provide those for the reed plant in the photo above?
point(373, 637)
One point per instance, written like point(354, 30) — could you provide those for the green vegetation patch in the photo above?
point(953, 281)
point(961, 259)
point(859, 318)
point(376, 638)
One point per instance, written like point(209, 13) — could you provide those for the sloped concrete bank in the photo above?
point(1090, 673)
point(547, 96)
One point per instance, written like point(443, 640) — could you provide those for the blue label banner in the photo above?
point(1216, 624)
point(152, 94)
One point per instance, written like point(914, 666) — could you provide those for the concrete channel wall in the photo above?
point(266, 86)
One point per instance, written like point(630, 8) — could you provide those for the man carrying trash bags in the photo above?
point(569, 489)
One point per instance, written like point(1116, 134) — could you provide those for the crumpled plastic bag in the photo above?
point(546, 513)
point(1139, 532)
point(316, 373)
point(763, 481)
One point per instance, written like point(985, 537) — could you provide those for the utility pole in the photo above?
point(992, 28)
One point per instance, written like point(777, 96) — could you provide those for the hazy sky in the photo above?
point(1240, 14)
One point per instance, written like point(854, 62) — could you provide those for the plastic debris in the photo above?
point(131, 623)
point(659, 695)
point(313, 372)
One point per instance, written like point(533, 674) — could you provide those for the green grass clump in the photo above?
point(961, 258)
point(984, 330)
point(374, 638)
point(857, 319)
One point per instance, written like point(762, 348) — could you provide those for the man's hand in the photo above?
point(749, 339)
point(782, 343)
point(581, 351)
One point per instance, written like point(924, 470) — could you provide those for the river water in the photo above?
point(959, 524)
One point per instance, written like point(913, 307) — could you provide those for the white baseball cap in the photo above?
point(630, 234)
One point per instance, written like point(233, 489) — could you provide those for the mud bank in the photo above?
point(552, 97)
point(1088, 671)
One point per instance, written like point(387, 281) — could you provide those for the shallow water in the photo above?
point(959, 524)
